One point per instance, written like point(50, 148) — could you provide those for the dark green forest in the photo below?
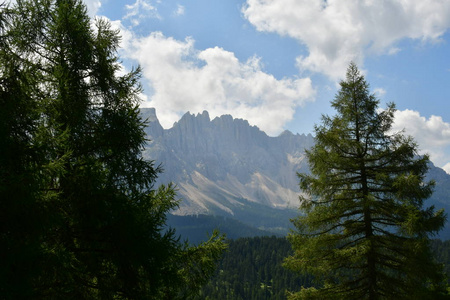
point(252, 269)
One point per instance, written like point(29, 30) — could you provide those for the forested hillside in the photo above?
point(252, 269)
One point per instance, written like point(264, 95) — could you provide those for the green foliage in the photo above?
point(252, 269)
point(363, 233)
point(21, 218)
point(441, 250)
point(80, 217)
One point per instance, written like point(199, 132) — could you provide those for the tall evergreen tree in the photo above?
point(104, 235)
point(364, 233)
point(21, 218)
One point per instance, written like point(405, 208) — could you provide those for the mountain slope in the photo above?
point(216, 163)
point(226, 167)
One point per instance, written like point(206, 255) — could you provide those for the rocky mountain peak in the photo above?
point(227, 167)
point(217, 162)
point(154, 128)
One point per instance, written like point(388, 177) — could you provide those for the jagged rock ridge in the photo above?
point(226, 167)
point(221, 162)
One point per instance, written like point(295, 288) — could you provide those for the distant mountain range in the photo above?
point(227, 168)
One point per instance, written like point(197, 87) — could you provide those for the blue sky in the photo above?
point(277, 63)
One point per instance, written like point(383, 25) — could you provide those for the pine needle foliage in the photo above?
point(364, 231)
point(80, 216)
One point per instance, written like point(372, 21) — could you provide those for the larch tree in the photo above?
point(364, 231)
point(73, 125)
point(21, 217)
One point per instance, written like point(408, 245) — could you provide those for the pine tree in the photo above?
point(105, 234)
point(364, 233)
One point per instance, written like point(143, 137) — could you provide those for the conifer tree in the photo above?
point(104, 233)
point(21, 218)
point(364, 232)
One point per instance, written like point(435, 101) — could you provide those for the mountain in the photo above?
point(226, 167)
point(221, 164)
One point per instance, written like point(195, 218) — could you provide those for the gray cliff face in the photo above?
point(221, 164)
point(226, 167)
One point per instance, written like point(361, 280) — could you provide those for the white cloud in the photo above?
point(140, 10)
point(92, 6)
point(380, 92)
point(186, 79)
point(180, 10)
point(447, 168)
point(432, 134)
point(337, 31)
point(393, 51)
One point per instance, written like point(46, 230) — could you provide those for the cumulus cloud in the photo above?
point(92, 6)
point(338, 31)
point(432, 134)
point(186, 79)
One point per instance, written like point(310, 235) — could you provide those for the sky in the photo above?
point(278, 63)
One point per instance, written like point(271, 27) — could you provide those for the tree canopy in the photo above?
point(80, 215)
point(364, 231)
